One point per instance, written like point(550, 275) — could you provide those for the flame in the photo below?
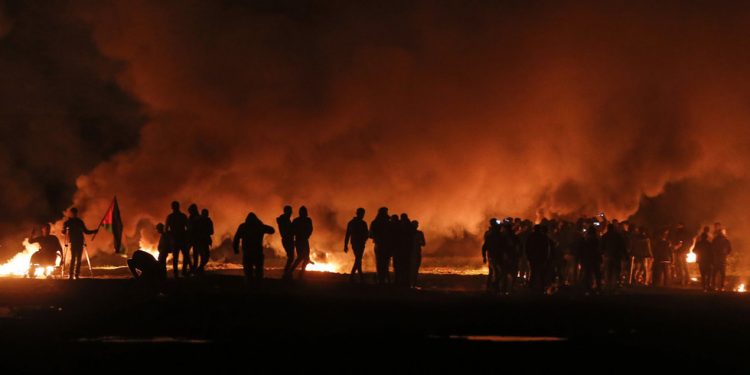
point(320, 264)
point(149, 248)
point(740, 288)
point(691, 257)
point(19, 264)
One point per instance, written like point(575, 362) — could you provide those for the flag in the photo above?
point(113, 223)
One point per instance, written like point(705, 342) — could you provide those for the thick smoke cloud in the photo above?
point(451, 111)
point(61, 113)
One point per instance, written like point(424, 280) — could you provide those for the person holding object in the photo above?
point(75, 229)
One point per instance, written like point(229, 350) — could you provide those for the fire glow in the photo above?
point(19, 264)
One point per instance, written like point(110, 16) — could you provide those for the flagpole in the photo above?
point(103, 217)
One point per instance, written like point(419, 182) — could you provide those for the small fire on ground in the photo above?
point(19, 264)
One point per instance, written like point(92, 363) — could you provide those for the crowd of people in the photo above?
point(596, 253)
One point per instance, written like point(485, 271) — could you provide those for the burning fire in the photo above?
point(740, 288)
point(19, 264)
point(691, 257)
point(149, 248)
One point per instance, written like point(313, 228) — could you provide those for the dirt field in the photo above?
point(217, 323)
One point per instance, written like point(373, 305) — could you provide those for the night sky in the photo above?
point(452, 111)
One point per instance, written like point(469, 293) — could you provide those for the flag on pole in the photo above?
point(113, 223)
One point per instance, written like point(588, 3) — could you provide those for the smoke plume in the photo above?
point(450, 111)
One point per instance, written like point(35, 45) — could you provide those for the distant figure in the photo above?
point(720, 249)
point(538, 252)
point(75, 229)
point(704, 256)
point(284, 222)
point(176, 228)
point(681, 241)
point(394, 235)
point(662, 260)
point(510, 256)
point(491, 252)
point(416, 259)
point(303, 228)
point(202, 246)
point(249, 235)
point(379, 232)
point(357, 233)
point(641, 251)
point(615, 249)
point(164, 247)
point(146, 268)
point(193, 229)
point(591, 259)
point(49, 250)
point(403, 251)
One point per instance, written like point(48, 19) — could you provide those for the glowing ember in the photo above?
point(19, 264)
point(691, 257)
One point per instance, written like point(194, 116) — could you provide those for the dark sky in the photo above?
point(453, 111)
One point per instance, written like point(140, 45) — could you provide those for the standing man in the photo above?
point(250, 235)
point(302, 227)
point(284, 222)
point(721, 248)
point(662, 259)
point(538, 252)
point(681, 242)
point(357, 233)
point(193, 230)
point(416, 260)
point(203, 241)
point(176, 228)
point(381, 237)
point(75, 229)
point(704, 253)
point(615, 249)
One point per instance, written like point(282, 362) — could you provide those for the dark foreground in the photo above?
point(217, 324)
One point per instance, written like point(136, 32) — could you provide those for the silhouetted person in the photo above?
point(721, 248)
point(303, 228)
point(591, 258)
point(681, 241)
point(284, 223)
point(357, 233)
point(75, 229)
point(176, 228)
point(380, 236)
point(249, 236)
point(507, 257)
point(538, 252)
point(193, 229)
point(145, 267)
point(394, 236)
point(641, 251)
point(704, 257)
point(49, 250)
point(164, 247)
point(662, 259)
point(204, 241)
point(615, 249)
point(416, 259)
point(491, 254)
point(404, 248)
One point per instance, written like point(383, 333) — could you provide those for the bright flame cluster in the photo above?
point(19, 264)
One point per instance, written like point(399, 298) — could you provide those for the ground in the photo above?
point(218, 323)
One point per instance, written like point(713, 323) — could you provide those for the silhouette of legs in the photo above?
point(288, 244)
point(76, 253)
point(357, 267)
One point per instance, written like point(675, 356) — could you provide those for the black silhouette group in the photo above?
point(594, 252)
